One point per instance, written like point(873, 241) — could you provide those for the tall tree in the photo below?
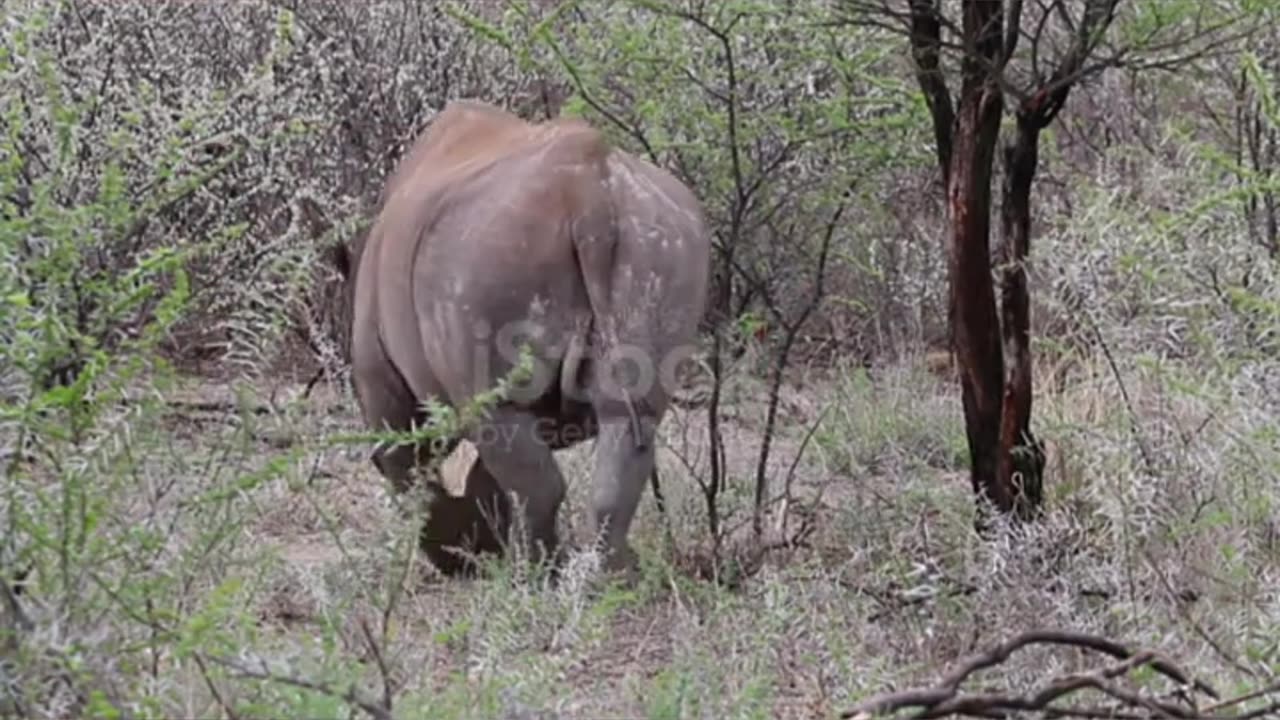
point(1024, 63)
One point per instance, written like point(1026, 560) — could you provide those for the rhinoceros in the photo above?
point(494, 236)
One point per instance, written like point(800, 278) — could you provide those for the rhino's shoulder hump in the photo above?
point(464, 125)
point(560, 153)
point(459, 133)
point(474, 150)
point(574, 142)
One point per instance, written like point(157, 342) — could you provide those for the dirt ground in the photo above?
point(889, 587)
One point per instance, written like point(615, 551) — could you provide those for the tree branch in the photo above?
point(945, 699)
point(352, 695)
point(926, 41)
point(1013, 29)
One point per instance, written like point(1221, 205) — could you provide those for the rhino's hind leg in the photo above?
point(512, 449)
point(460, 527)
point(624, 459)
point(452, 522)
point(388, 404)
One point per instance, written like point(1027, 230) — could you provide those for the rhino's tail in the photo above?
point(571, 368)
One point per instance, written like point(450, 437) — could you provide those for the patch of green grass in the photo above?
point(895, 423)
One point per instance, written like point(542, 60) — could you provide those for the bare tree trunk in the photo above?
point(1006, 460)
point(1021, 456)
point(975, 328)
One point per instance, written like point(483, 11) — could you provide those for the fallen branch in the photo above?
point(315, 380)
point(1265, 711)
point(218, 407)
point(894, 600)
point(351, 696)
point(945, 698)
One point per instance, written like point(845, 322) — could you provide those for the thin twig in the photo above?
point(374, 648)
point(1268, 690)
point(227, 707)
point(352, 695)
point(1134, 425)
point(1196, 627)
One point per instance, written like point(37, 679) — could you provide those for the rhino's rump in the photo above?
point(659, 278)
point(490, 267)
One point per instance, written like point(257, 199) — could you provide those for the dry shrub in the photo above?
point(283, 110)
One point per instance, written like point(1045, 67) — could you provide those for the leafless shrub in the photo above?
point(283, 108)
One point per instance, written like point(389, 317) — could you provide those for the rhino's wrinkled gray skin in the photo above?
point(495, 232)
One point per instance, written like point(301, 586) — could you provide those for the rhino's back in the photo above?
point(471, 256)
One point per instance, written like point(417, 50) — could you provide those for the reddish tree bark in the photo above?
point(1021, 457)
point(975, 325)
point(975, 328)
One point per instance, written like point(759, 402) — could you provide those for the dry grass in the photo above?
point(894, 587)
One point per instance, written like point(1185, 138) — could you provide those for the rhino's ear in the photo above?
point(339, 256)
